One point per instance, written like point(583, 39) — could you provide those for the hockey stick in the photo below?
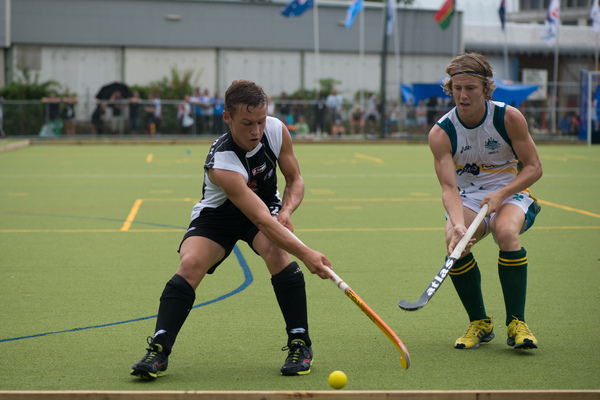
point(439, 278)
point(343, 286)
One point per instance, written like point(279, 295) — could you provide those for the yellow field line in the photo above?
point(368, 158)
point(131, 216)
point(567, 208)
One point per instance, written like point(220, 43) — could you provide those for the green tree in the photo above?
point(23, 118)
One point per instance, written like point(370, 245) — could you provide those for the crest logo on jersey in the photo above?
point(259, 169)
point(492, 144)
point(253, 185)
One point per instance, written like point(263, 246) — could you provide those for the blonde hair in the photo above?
point(473, 64)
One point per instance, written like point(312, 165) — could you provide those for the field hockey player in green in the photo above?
point(477, 147)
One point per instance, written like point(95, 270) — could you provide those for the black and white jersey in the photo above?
point(258, 167)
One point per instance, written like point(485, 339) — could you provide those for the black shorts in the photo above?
point(224, 229)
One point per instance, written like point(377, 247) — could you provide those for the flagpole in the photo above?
point(396, 48)
point(383, 69)
point(455, 31)
point(555, 95)
point(596, 52)
point(502, 14)
point(506, 74)
point(361, 55)
point(316, 40)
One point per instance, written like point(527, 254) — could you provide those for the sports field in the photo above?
point(88, 239)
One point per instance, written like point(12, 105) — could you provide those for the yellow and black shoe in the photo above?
point(299, 359)
point(519, 336)
point(479, 331)
point(153, 364)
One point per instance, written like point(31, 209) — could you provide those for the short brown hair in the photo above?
point(473, 64)
point(243, 92)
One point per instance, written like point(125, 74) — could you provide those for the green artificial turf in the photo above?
point(78, 291)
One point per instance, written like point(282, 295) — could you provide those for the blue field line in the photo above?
point(247, 282)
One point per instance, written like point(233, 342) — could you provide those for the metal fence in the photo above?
point(31, 118)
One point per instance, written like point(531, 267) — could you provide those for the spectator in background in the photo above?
point(150, 110)
point(68, 113)
point(218, 114)
point(270, 107)
point(319, 113)
point(2, 133)
point(184, 115)
point(565, 124)
point(206, 102)
point(574, 129)
point(285, 109)
point(196, 99)
point(157, 113)
point(302, 128)
point(98, 119)
point(134, 112)
point(410, 116)
point(372, 113)
point(335, 103)
point(421, 113)
point(54, 124)
point(432, 110)
point(298, 108)
point(117, 121)
point(356, 118)
point(52, 106)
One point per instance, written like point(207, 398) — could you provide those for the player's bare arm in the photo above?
point(446, 174)
point(294, 184)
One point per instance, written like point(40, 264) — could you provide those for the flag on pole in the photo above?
point(595, 16)
point(391, 17)
point(551, 23)
point(502, 13)
point(355, 8)
point(295, 8)
point(444, 15)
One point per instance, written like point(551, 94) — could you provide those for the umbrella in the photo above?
point(107, 90)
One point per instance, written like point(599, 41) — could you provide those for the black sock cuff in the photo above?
point(179, 285)
point(289, 272)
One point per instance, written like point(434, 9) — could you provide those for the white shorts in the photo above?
point(523, 200)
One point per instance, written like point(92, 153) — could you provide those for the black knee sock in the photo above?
point(467, 281)
point(176, 303)
point(291, 295)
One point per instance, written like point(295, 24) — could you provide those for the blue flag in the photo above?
point(296, 8)
point(355, 7)
point(502, 13)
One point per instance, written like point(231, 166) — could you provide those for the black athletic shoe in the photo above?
point(299, 359)
point(153, 364)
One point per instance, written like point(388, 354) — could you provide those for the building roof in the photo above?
point(574, 41)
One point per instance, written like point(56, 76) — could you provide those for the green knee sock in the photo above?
point(512, 270)
point(467, 281)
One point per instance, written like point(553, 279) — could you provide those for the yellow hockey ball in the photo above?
point(337, 379)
